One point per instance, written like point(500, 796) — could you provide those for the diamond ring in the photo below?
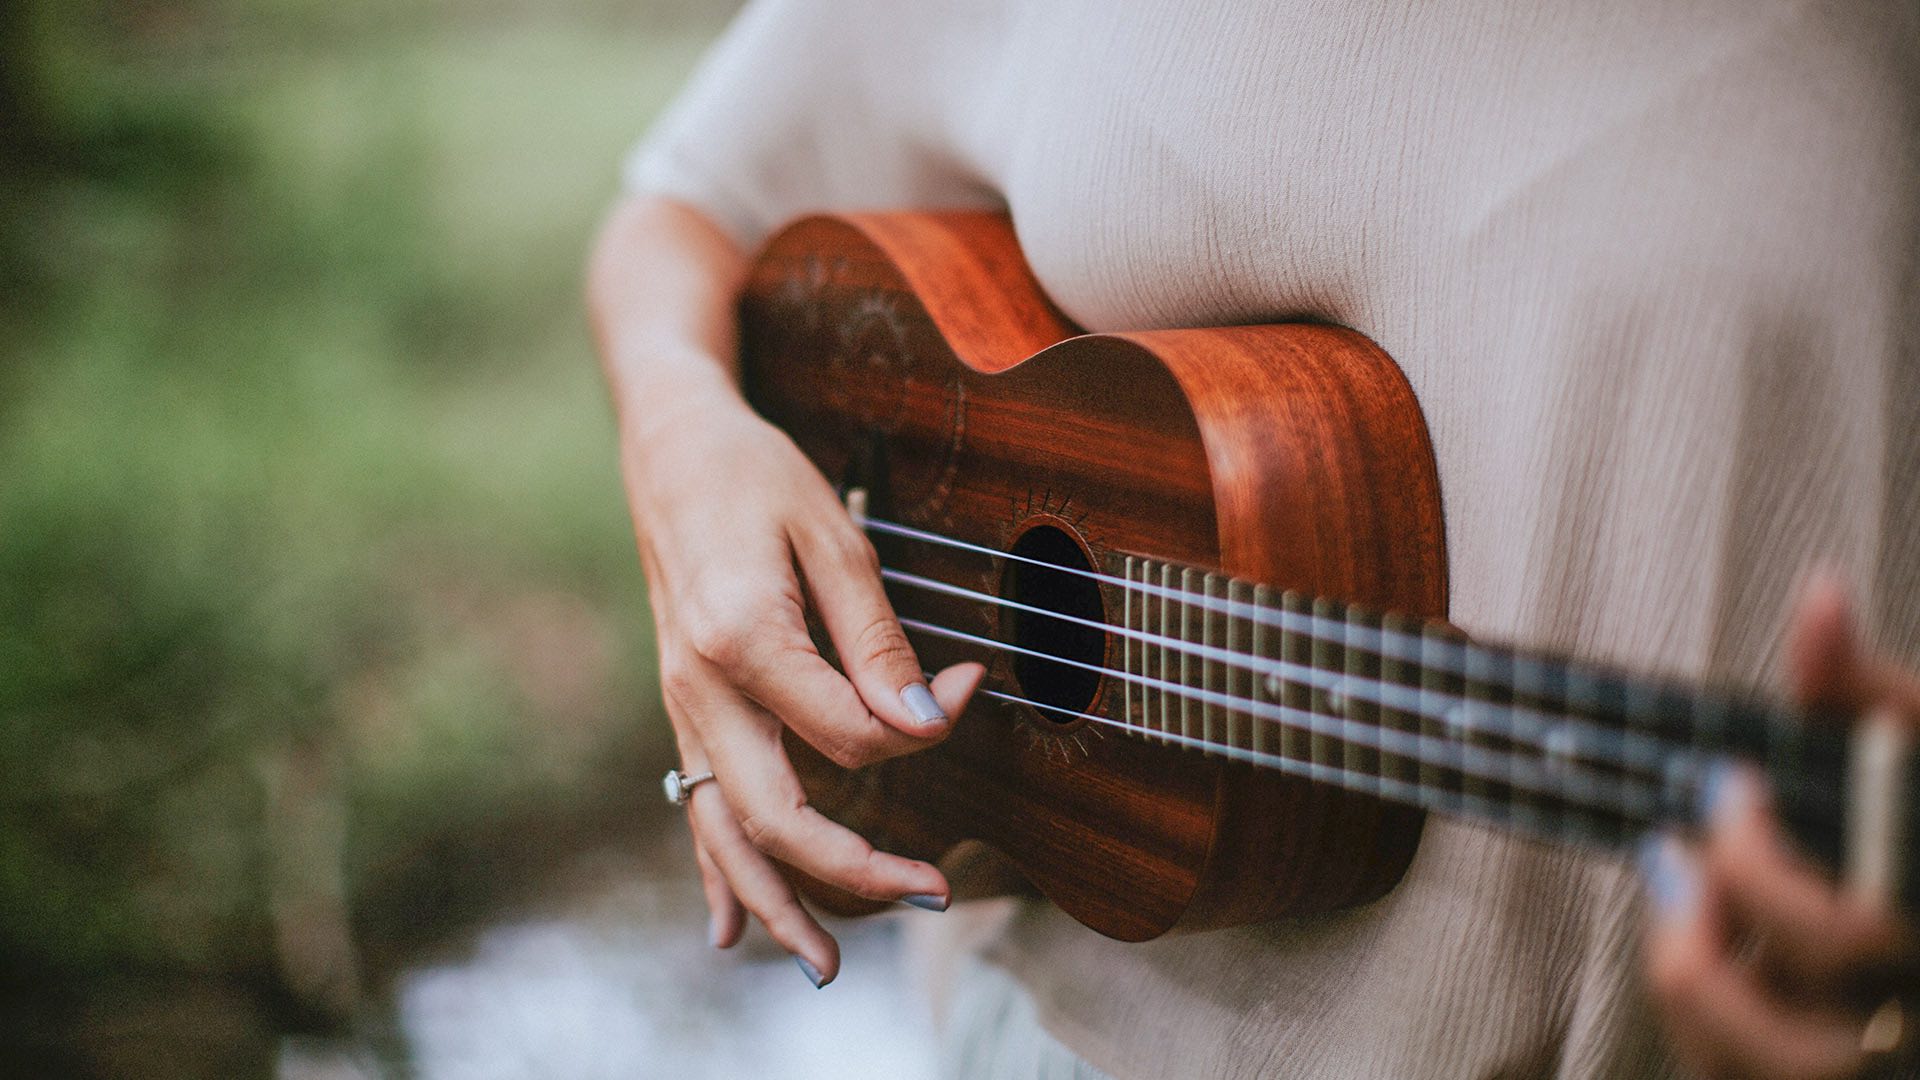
point(679, 786)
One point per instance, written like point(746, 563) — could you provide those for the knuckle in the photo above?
point(841, 753)
point(679, 674)
point(884, 645)
point(765, 830)
point(721, 631)
point(853, 552)
point(866, 878)
point(849, 751)
point(786, 924)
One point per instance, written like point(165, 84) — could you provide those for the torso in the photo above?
point(1647, 268)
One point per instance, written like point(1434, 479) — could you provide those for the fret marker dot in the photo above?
point(1272, 685)
point(1455, 721)
point(1562, 746)
point(1336, 701)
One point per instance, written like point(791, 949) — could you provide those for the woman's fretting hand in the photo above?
point(1761, 965)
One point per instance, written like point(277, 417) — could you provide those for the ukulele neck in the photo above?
point(1413, 712)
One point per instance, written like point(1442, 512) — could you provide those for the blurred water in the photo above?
point(612, 978)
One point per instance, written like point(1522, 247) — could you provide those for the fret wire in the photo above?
point(1361, 668)
point(1439, 800)
point(1309, 672)
point(1451, 654)
point(1432, 693)
point(1266, 645)
point(1745, 738)
point(1325, 656)
point(1239, 677)
point(1398, 672)
point(1581, 692)
point(1637, 798)
point(1499, 697)
point(1166, 664)
point(1474, 710)
point(1297, 654)
point(1149, 654)
point(1188, 721)
point(1452, 685)
point(1213, 726)
point(1537, 683)
point(1164, 590)
point(1126, 644)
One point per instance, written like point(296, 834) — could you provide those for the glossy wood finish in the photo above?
point(915, 356)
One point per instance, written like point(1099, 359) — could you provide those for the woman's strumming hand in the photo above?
point(1763, 967)
point(741, 536)
point(742, 539)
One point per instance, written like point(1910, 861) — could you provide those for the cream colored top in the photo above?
point(1650, 266)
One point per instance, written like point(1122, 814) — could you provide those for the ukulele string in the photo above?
point(1432, 654)
point(1565, 735)
point(1573, 782)
point(1427, 796)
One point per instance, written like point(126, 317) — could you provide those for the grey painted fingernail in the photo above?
point(925, 901)
point(812, 973)
point(713, 930)
point(1725, 793)
point(919, 701)
point(1673, 885)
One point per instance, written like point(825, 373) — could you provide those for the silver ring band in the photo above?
point(679, 786)
point(1886, 1030)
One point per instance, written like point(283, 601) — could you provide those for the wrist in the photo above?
point(658, 409)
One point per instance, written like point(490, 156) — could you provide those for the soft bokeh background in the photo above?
point(328, 729)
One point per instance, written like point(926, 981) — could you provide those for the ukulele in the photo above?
point(1206, 570)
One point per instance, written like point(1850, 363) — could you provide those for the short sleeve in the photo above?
point(807, 105)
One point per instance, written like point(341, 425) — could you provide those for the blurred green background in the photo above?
point(321, 630)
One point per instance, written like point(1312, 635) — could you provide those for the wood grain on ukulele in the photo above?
point(1207, 572)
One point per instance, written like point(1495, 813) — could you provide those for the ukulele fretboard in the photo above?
point(1412, 711)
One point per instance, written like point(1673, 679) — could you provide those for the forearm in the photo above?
point(661, 287)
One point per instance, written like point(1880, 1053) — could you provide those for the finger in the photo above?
point(762, 889)
point(1719, 1017)
point(770, 806)
point(842, 574)
point(1823, 659)
point(793, 682)
point(1827, 664)
point(754, 639)
point(725, 917)
point(1819, 941)
point(954, 687)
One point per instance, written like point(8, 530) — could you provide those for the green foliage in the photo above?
point(301, 444)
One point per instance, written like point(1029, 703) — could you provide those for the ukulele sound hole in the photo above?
point(1043, 679)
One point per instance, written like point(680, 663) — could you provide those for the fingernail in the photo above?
point(713, 931)
point(812, 973)
point(919, 701)
point(1673, 885)
point(925, 901)
point(1726, 794)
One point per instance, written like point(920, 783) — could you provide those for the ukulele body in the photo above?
point(915, 357)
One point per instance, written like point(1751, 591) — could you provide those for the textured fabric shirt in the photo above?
point(1650, 268)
